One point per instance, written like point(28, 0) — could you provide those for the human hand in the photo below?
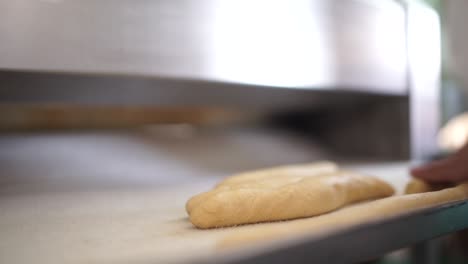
point(451, 169)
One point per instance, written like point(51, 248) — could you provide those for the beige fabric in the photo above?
point(282, 193)
point(343, 218)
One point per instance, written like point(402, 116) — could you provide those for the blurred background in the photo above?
point(242, 85)
point(153, 94)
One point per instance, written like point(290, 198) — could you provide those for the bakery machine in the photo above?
point(113, 112)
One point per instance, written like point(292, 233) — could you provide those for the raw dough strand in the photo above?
point(276, 195)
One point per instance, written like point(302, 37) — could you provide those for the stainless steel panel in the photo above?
point(40, 88)
point(352, 44)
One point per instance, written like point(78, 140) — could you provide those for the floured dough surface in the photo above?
point(282, 193)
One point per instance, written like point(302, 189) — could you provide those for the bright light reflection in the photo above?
point(272, 42)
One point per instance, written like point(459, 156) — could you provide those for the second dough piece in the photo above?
point(420, 186)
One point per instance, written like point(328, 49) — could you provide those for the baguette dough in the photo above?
point(282, 193)
point(274, 175)
point(420, 186)
point(343, 218)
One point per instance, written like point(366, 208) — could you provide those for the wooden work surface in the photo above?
point(119, 198)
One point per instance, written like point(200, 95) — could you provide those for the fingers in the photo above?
point(452, 169)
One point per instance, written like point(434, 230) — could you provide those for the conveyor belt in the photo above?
point(367, 241)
